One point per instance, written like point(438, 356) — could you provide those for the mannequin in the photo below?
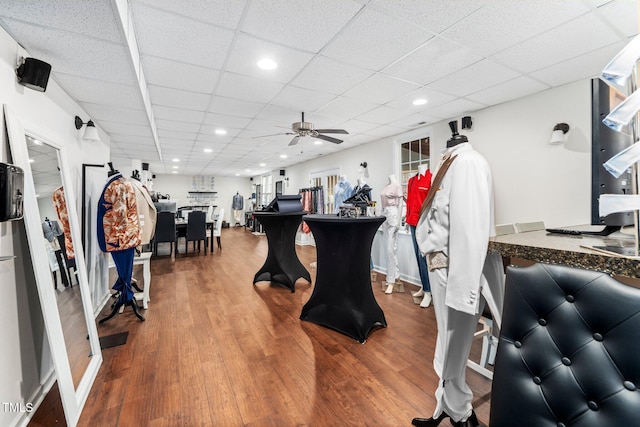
point(453, 232)
point(119, 233)
point(237, 205)
point(417, 189)
point(391, 201)
point(51, 229)
point(341, 192)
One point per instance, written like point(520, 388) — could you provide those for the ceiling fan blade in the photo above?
point(328, 138)
point(332, 131)
point(295, 140)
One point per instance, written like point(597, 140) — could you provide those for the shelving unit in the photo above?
point(202, 197)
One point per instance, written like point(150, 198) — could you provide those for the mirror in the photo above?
point(58, 241)
point(67, 312)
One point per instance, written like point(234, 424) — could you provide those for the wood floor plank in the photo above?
point(217, 350)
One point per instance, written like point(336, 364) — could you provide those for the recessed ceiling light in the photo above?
point(247, 170)
point(283, 156)
point(175, 171)
point(208, 150)
point(175, 167)
point(31, 160)
point(267, 64)
point(175, 160)
point(220, 132)
point(420, 101)
point(263, 164)
point(317, 142)
point(237, 174)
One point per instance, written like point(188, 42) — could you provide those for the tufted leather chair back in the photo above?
point(569, 350)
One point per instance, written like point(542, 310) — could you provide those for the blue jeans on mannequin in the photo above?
point(422, 262)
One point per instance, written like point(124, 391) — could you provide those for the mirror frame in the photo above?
point(73, 399)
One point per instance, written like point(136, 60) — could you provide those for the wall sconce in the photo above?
point(559, 134)
point(466, 122)
point(33, 73)
point(364, 169)
point(90, 133)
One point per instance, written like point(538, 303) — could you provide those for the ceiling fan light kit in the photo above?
point(303, 129)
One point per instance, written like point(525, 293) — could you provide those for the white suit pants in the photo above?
point(390, 232)
point(455, 336)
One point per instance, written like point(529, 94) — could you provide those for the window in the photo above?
point(266, 185)
point(412, 154)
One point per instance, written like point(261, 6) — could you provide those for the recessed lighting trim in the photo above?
point(267, 64)
point(175, 167)
point(208, 150)
point(220, 132)
point(317, 142)
point(175, 171)
point(419, 101)
point(237, 174)
point(283, 156)
point(175, 160)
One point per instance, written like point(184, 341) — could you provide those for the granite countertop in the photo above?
point(573, 251)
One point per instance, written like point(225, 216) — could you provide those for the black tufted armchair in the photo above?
point(569, 351)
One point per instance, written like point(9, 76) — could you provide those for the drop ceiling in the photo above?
point(356, 65)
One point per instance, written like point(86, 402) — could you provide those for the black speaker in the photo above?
point(466, 122)
point(145, 166)
point(34, 74)
point(281, 172)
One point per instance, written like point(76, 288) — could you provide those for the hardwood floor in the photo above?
point(217, 351)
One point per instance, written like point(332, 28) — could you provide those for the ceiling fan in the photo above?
point(301, 129)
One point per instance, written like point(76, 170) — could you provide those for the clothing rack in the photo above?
point(312, 202)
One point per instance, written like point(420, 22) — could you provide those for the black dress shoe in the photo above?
point(429, 422)
point(472, 421)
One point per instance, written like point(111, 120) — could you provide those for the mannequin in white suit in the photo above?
point(453, 233)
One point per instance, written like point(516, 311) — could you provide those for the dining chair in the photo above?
point(196, 230)
point(165, 231)
point(70, 263)
point(217, 231)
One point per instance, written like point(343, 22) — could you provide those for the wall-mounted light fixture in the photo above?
point(364, 169)
point(33, 73)
point(90, 133)
point(467, 123)
point(559, 134)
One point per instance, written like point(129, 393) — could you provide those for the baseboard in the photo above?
point(36, 398)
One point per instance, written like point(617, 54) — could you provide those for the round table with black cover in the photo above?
point(282, 265)
point(342, 298)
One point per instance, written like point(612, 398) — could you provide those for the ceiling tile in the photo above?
point(226, 122)
point(171, 36)
point(373, 31)
point(577, 37)
point(304, 24)
point(474, 78)
point(344, 108)
point(454, 108)
point(622, 16)
point(164, 135)
point(433, 97)
point(99, 112)
point(74, 54)
point(213, 140)
point(172, 125)
point(301, 99)
point(178, 75)
point(247, 88)
point(178, 114)
point(415, 120)
point(129, 139)
point(247, 51)
point(210, 130)
point(512, 89)
point(380, 89)
point(92, 18)
point(586, 66)
point(435, 59)
point(234, 107)
point(381, 115)
point(125, 128)
point(435, 16)
point(511, 21)
point(99, 92)
point(224, 13)
point(178, 98)
point(327, 75)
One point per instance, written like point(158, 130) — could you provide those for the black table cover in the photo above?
point(282, 265)
point(342, 298)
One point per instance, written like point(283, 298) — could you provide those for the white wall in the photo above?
point(24, 354)
point(533, 179)
point(178, 186)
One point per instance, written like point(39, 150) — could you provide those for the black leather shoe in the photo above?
point(472, 421)
point(429, 422)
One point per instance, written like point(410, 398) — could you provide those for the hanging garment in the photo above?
point(147, 213)
point(238, 202)
point(391, 200)
point(60, 204)
point(417, 189)
point(341, 192)
point(118, 222)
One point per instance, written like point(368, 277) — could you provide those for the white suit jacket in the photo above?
point(146, 211)
point(459, 223)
